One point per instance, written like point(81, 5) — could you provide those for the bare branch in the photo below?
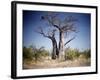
point(69, 27)
point(69, 41)
point(52, 20)
point(70, 19)
point(50, 34)
point(69, 24)
point(40, 30)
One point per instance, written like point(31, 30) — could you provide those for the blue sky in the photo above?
point(32, 20)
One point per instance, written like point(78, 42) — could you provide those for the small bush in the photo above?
point(71, 54)
point(86, 54)
point(32, 53)
point(75, 53)
point(27, 53)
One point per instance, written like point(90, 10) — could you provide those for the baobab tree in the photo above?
point(63, 26)
point(50, 35)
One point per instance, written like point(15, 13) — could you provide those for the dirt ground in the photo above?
point(56, 64)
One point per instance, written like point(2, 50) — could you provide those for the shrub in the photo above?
point(44, 53)
point(32, 53)
point(27, 53)
point(71, 54)
point(75, 53)
point(86, 53)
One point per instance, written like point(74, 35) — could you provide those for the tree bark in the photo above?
point(61, 45)
point(55, 49)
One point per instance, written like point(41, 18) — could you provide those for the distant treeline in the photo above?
point(71, 54)
point(38, 54)
point(33, 53)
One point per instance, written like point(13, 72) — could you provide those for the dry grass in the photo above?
point(48, 63)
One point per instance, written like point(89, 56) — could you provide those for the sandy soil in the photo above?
point(57, 64)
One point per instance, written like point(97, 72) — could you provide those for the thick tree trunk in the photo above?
point(55, 49)
point(61, 45)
